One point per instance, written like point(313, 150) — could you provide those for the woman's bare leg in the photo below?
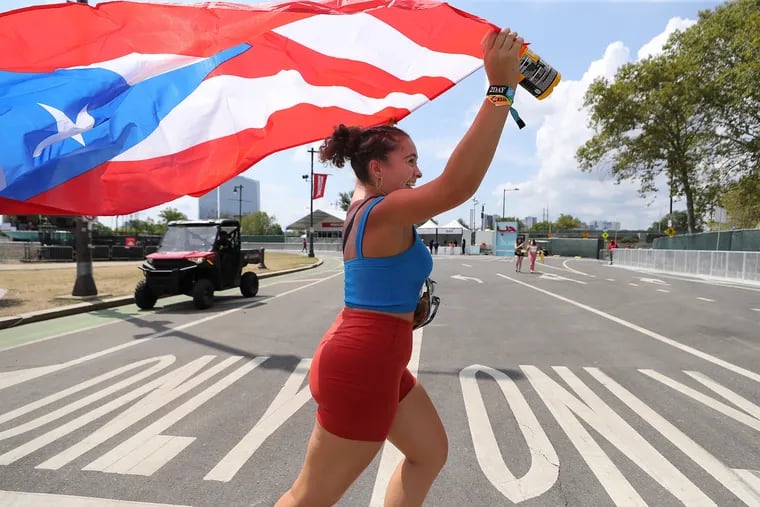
point(417, 431)
point(331, 465)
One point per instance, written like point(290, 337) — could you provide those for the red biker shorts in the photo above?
point(358, 375)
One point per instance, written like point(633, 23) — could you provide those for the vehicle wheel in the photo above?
point(144, 297)
point(249, 284)
point(203, 293)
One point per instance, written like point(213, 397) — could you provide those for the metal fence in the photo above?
point(742, 266)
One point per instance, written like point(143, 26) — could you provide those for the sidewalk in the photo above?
point(16, 266)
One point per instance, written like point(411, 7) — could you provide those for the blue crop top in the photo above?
point(387, 284)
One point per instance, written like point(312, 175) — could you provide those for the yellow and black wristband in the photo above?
point(501, 95)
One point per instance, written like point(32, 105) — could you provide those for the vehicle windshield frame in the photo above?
point(189, 238)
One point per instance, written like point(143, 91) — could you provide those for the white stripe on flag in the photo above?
point(365, 38)
point(226, 105)
point(137, 67)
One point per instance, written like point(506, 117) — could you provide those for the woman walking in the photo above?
point(358, 378)
point(533, 250)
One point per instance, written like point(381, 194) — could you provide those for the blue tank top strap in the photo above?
point(362, 224)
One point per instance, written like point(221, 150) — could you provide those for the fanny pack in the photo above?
point(427, 306)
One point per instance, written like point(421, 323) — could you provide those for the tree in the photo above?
point(260, 224)
point(680, 223)
point(170, 214)
point(742, 203)
point(567, 223)
point(541, 226)
point(649, 122)
point(344, 200)
point(723, 51)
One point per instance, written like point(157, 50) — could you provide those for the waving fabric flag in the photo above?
point(134, 104)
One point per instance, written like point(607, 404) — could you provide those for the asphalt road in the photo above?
point(582, 384)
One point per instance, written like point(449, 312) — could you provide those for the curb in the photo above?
point(64, 311)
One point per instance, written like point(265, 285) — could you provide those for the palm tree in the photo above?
point(344, 200)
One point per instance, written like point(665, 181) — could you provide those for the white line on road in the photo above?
point(610, 279)
point(10, 378)
point(633, 284)
point(467, 265)
point(575, 270)
point(666, 291)
point(706, 299)
point(461, 277)
point(20, 499)
point(668, 341)
point(756, 309)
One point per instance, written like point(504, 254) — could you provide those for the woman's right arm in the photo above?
point(472, 157)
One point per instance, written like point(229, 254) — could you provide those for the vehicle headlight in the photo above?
point(197, 260)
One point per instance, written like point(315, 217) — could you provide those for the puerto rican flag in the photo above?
point(113, 109)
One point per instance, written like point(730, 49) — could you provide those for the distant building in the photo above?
point(530, 222)
point(231, 203)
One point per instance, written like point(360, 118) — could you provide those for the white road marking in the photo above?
point(706, 299)
point(149, 450)
point(575, 270)
point(465, 278)
point(756, 309)
point(708, 401)
point(552, 276)
point(633, 284)
point(689, 447)
point(21, 499)
point(544, 463)
point(569, 409)
point(739, 401)
point(467, 265)
point(666, 291)
point(162, 362)
point(11, 378)
point(668, 341)
point(610, 279)
point(654, 280)
point(391, 456)
point(288, 401)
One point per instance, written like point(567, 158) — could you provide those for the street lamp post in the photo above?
point(504, 200)
point(238, 189)
point(312, 151)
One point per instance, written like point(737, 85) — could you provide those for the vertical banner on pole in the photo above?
point(504, 240)
point(320, 182)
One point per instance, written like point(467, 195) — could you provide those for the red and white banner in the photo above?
point(318, 187)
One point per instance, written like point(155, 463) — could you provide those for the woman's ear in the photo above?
point(375, 171)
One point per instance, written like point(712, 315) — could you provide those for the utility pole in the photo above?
point(504, 200)
point(311, 204)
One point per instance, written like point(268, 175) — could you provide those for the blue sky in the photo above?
point(582, 39)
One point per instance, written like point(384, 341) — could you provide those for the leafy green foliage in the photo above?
point(260, 224)
point(691, 113)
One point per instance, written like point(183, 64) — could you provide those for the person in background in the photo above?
point(533, 250)
point(519, 253)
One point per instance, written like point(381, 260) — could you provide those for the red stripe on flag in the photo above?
point(195, 171)
point(84, 35)
point(272, 53)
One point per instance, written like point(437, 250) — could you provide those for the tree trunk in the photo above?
point(85, 283)
point(688, 192)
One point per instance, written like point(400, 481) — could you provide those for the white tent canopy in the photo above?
point(453, 228)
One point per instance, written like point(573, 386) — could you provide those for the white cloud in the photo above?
point(655, 45)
